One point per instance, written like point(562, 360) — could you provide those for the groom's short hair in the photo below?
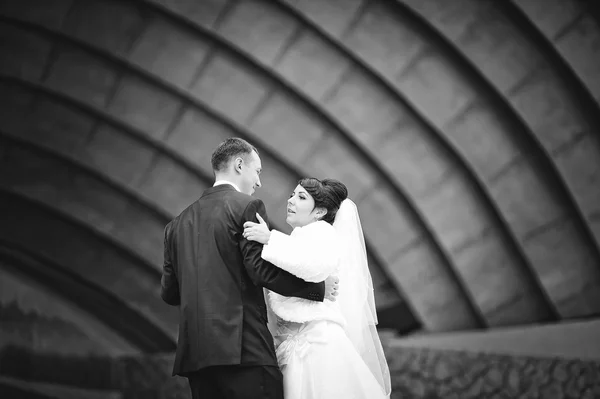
point(229, 149)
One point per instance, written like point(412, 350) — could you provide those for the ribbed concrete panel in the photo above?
point(366, 107)
point(302, 48)
point(552, 17)
point(543, 100)
point(3, 151)
point(517, 182)
point(14, 105)
point(583, 176)
point(555, 120)
point(86, 255)
point(227, 85)
point(29, 53)
point(391, 149)
point(150, 108)
point(113, 26)
point(56, 126)
point(59, 324)
point(53, 123)
point(303, 53)
point(145, 107)
point(415, 256)
point(576, 37)
point(224, 77)
point(252, 24)
point(435, 87)
point(152, 113)
point(157, 185)
point(282, 121)
point(205, 13)
point(522, 306)
point(334, 16)
point(247, 94)
point(80, 75)
point(573, 38)
point(574, 34)
point(544, 215)
point(167, 183)
point(574, 292)
point(170, 53)
point(236, 91)
point(195, 136)
point(538, 96)
point(337, 159)
point(311, 64)
point(44, 121)
point(39, 176)
point(465, 131)
point(117, 154)
point(580, 46)
point(48, 14)
point(136, 103)
point(387, 295)
point(429, 287)
point(124, 158)
point(379, 39)
point(416, 160)
point(302, 42)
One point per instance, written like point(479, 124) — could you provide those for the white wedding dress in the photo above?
point(326, 349)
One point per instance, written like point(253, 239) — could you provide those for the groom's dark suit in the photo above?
point(216, 276)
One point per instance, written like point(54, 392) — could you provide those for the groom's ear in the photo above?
point(237, 164)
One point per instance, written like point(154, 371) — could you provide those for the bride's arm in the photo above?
point(311, 255)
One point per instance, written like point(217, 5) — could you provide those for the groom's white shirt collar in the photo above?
point(220, 182)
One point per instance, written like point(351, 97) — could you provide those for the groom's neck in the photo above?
point(227, 177)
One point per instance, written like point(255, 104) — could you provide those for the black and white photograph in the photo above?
point(300, 199)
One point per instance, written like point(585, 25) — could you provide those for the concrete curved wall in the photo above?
point(468, 133)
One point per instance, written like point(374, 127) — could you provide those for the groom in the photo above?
point(216, 276)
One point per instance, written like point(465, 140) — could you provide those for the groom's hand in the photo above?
point(258, 232)
point(331, 287)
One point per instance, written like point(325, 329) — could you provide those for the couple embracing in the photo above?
point(260, 312)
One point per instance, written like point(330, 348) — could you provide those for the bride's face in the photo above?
point(300, 208)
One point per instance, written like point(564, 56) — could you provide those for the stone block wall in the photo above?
point(420, 373)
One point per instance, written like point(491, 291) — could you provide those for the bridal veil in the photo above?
point(356, 297)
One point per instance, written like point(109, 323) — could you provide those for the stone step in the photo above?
point(577, 339)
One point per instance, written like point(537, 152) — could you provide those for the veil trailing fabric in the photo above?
point(356, 297)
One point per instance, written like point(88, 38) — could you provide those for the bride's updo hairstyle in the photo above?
point(327, 193)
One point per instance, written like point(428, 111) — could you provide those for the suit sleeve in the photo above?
point(169, 290)
point(268, 275)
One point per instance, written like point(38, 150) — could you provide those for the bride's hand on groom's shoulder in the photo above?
point(258, 232)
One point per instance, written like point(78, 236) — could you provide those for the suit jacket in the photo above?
point(216, 277)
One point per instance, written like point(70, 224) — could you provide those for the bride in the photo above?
point(324, 349)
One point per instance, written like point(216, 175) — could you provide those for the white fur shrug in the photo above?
point(311, 253)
